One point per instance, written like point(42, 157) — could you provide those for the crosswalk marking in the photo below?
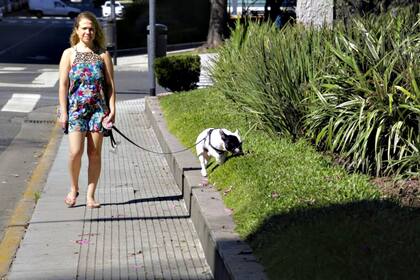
point(47, 79)
point(12, 68)
point(23, 103)
point(47, 70)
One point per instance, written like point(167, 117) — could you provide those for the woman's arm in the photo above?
point(110, 85)
point(63, 88)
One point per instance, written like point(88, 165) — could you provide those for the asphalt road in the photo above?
point(30, 50)
point(38, 41)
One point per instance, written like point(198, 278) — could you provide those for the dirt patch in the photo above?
point(407, 192)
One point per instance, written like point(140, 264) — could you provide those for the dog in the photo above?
point(217, 142)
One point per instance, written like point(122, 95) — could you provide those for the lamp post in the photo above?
point(151, 46)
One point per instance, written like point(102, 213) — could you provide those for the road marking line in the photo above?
point(23, 103)
point(12, 68)
point(47, 70)
point(48, 79)
point(44, 80)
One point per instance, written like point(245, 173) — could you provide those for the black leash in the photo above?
point(114, 143)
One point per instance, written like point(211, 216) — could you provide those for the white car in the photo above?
point(106, 9)
point(51, 8)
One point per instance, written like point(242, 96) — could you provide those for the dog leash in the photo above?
point(114, 144)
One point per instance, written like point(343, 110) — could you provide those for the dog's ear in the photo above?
point(222, 134)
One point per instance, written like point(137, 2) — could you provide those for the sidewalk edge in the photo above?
point(22, 214)
point(228, 256)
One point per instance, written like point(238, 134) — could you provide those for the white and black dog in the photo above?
point(217, 142)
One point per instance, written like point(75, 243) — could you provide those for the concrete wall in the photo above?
point(315, 12)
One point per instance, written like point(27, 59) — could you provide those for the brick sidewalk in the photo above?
point(142, 230)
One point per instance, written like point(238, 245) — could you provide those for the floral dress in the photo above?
point(86, 103)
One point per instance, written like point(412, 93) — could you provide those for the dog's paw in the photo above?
point(203, 172)
point(204, 181)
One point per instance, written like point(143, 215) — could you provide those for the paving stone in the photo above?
point(142, 230)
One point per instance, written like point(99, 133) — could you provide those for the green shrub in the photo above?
point(367, 108)
point(179, 72)
point(303, 217)
point(353, 89)
point(266, 71)
point(348, 9)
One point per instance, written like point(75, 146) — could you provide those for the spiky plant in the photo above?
point(266, 71)
point(368, 107)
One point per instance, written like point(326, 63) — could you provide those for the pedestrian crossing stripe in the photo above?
point(12, 68)
point(44, 80)
point(22, 103)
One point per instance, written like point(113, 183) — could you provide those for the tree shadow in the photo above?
point(361, 240)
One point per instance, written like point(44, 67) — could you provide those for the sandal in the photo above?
point(71, 200)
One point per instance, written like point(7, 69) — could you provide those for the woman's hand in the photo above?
point(108, 121)
point(111, 117)
point(63, 121)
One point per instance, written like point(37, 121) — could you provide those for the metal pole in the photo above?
point(114, 30)
point(151, 46)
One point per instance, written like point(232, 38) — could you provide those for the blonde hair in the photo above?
point(98, 41)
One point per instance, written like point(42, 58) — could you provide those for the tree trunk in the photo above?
point(217, 24)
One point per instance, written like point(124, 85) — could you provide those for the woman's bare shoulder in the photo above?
point(106, 57)
point(68, 51)
point(104, 53)
point(67, 57)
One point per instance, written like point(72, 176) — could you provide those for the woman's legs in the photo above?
point(94, 151)
point(76, 144)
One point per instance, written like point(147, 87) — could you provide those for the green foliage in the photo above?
point(347, 9)
point(178, 72)
point(188, 114)
point(292, 171)
point(353, 89)
point(267, 71)
point(304, 217)
point(37, 196)
point(367, 106)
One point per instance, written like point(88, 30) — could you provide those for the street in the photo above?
point(32, 40)
point(30, 50)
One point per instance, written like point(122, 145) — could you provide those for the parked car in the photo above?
point(52, 8)
point(106, 9)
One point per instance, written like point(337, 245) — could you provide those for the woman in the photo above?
point(86, 79)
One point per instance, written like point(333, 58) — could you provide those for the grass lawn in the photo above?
point(304, 217)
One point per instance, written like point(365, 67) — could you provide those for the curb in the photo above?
point(228, 256)
point(22, 214)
